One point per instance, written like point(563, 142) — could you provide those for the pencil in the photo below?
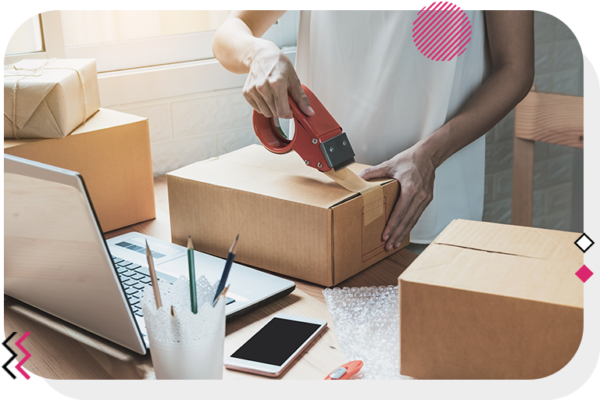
point(227, 268)
point(192, 268)
point(223, 293)
point(153, 277)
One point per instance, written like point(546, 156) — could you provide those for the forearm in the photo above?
point(237, 40)
point(499, 94)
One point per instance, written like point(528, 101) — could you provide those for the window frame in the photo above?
point(52, 40)
point(185, 78)
point(150, 52)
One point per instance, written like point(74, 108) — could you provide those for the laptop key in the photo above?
point(139, 313)
point(124, 263)
point(133, 301)
point(117, 259)
point(120, 270)
point(134, 266)
point(145, 280)
point(138, 286)
point(138, 276)
point(131, 290)
point(128, 273)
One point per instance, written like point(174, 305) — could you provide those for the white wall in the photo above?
point(191, 127)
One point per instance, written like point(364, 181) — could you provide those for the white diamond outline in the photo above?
point(583, 235)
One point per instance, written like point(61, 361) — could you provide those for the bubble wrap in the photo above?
point(187, 327)
point(366, 323)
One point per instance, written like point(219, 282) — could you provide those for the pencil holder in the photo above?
point(185, 345)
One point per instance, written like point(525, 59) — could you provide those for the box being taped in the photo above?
point(112, 153)
point(491, 301)
point(292, 219)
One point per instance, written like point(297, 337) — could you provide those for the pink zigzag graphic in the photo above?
point(27, 355)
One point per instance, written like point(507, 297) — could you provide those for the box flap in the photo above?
point(498, 238)
point(8, 143)
point(254, 169)
point(106, 118)
point(506, 260)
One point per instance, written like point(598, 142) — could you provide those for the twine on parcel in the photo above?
point(22, 73)
point(371, 192)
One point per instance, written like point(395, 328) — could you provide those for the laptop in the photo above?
point(56, 259)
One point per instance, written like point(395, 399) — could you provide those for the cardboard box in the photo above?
point(112, 153)
point(292, 219)
point(49, 98)
point(491, 301)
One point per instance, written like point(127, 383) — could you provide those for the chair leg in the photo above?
point(522, 187)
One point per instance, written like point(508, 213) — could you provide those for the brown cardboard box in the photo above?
point(112, 153)
point(491, 301)
point(292, 219)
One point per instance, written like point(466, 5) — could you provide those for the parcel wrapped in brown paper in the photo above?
point(49, 98)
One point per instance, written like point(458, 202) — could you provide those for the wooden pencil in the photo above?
point(223, 293)
point(153, 277)
point(192, 270)
point(227, 268)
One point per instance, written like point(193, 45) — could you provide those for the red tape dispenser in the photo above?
point(319, 139)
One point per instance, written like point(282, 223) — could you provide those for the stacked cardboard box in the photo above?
point(112, 153)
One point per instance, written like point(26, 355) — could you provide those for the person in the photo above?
point(415, 119)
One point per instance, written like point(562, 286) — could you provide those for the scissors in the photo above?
point(345, 371)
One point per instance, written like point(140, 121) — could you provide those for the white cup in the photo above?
point(195, 360)
point(187, 345)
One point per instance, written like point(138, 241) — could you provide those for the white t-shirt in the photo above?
point(387, 96)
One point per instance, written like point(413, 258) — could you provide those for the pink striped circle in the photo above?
point(441, 31)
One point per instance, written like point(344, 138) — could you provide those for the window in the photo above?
point(121, 40)
point(28, 38)
point(135, 62)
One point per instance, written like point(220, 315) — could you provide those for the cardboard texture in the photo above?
point(292, 219)
point(112, 153)
point(49, 98)
point(491, 301)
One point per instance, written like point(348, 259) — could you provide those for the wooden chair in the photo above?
point(543, 117)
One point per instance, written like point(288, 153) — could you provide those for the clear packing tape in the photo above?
point(371, 192)
point(366, 324)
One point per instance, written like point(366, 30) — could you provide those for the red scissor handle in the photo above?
point(309, 134)
point(351, 368)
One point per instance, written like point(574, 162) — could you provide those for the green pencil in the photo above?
point(192, 268)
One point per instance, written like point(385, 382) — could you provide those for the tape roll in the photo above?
point(371, 192)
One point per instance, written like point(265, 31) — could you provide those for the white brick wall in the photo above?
point(191, 128)
point(559, 69)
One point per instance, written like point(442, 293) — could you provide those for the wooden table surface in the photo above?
point(63, 351)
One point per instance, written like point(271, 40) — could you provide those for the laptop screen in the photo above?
point(55, 256)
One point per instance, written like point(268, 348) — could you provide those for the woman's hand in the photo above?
point(270, 79)
point(415, 172)
point(238, 46)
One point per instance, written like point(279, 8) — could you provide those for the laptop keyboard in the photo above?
point(134, 277)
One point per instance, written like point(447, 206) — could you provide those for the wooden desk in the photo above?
point(63, 351)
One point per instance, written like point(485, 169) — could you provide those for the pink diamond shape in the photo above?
point(584, 273)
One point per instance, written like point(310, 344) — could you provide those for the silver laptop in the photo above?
point(56, 259)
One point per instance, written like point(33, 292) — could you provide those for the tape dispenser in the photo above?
point(319, 139)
